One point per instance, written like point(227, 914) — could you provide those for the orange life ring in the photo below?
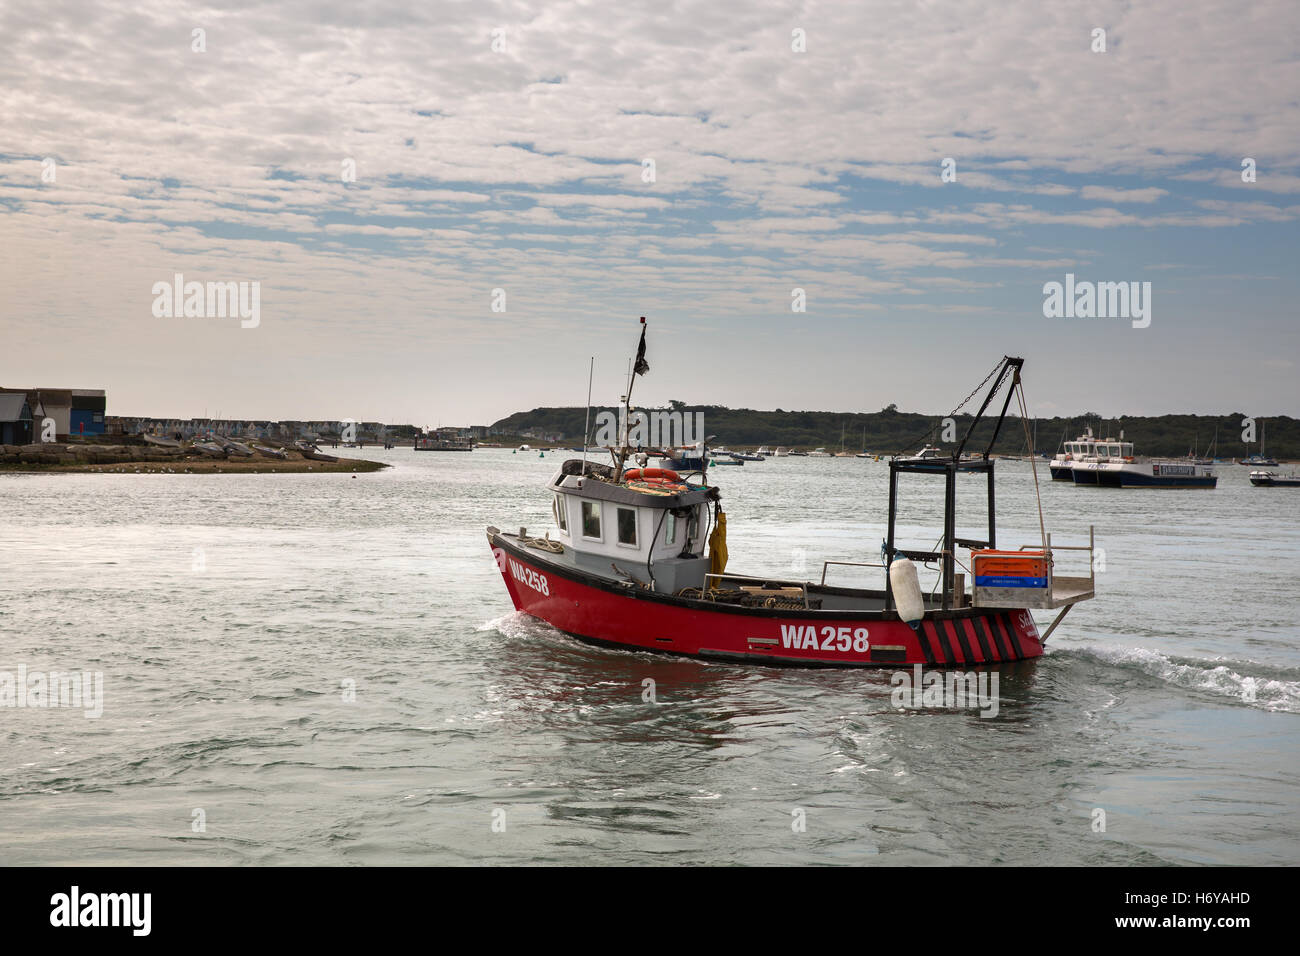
point(653, 475)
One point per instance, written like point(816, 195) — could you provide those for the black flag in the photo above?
point(641, 366)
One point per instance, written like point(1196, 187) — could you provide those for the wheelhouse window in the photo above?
point(591, 519)
point(561, 518)
point(627, 526)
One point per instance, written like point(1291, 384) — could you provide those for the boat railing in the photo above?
point(720, 577)
point(848, 564)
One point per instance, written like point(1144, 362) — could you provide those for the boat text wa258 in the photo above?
point(638, 560)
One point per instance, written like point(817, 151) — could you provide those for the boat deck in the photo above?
point(737, 590)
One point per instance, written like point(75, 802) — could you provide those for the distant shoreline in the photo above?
point(347, 465)
point(135, 459)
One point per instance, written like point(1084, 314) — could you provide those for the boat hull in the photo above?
point(684, 464)
point(603, 612)
point(1156, 475)
point(1130, 480)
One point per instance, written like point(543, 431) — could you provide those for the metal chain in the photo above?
point(975, 391)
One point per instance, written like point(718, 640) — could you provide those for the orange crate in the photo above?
point(992, 563)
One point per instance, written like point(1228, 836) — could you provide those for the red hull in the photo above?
point(608, 614)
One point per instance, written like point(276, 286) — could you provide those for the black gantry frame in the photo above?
point(949, 467)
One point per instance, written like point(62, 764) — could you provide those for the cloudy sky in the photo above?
point(505, 146)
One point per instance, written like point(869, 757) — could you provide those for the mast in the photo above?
point(639, 367)
point(586, 429)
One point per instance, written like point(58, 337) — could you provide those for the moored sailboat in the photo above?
point(1260, 459)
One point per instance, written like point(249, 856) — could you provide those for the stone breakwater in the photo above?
point(55, 453)
point(76, 457)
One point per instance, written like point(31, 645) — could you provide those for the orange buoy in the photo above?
point(656, 475)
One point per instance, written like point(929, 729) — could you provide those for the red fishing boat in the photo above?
point(639, 560)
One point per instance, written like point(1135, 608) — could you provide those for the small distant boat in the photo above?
point(926, 453)
point(685, 460)
point(1268, 479)
point(820, 453)
point(271, 452)
point(237, 448)
point(781, 452)
point(1260, 460)
point(726, 461)
point(161, 442)
point(743, 456)
point(763, 452)
point(209, 448)
point(796, 453)
point(309, 450)
point(524, 448)
point(441, 444)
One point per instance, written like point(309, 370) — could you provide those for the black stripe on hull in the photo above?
point(960, 633)
point(1004, 620)
point(977, 624)
point(926, 651)
point(948, 655)
point(999, 640)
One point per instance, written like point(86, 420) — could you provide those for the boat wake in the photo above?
point(1249, 683)
point(517, 624)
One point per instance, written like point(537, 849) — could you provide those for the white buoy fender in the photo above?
point(907, 591)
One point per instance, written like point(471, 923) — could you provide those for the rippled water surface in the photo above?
point(230, 615)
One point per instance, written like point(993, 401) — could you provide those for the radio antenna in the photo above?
point(586, 429)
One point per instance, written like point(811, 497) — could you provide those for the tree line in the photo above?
point(890, 431)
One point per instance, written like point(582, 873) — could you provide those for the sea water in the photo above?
point(320, 669)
